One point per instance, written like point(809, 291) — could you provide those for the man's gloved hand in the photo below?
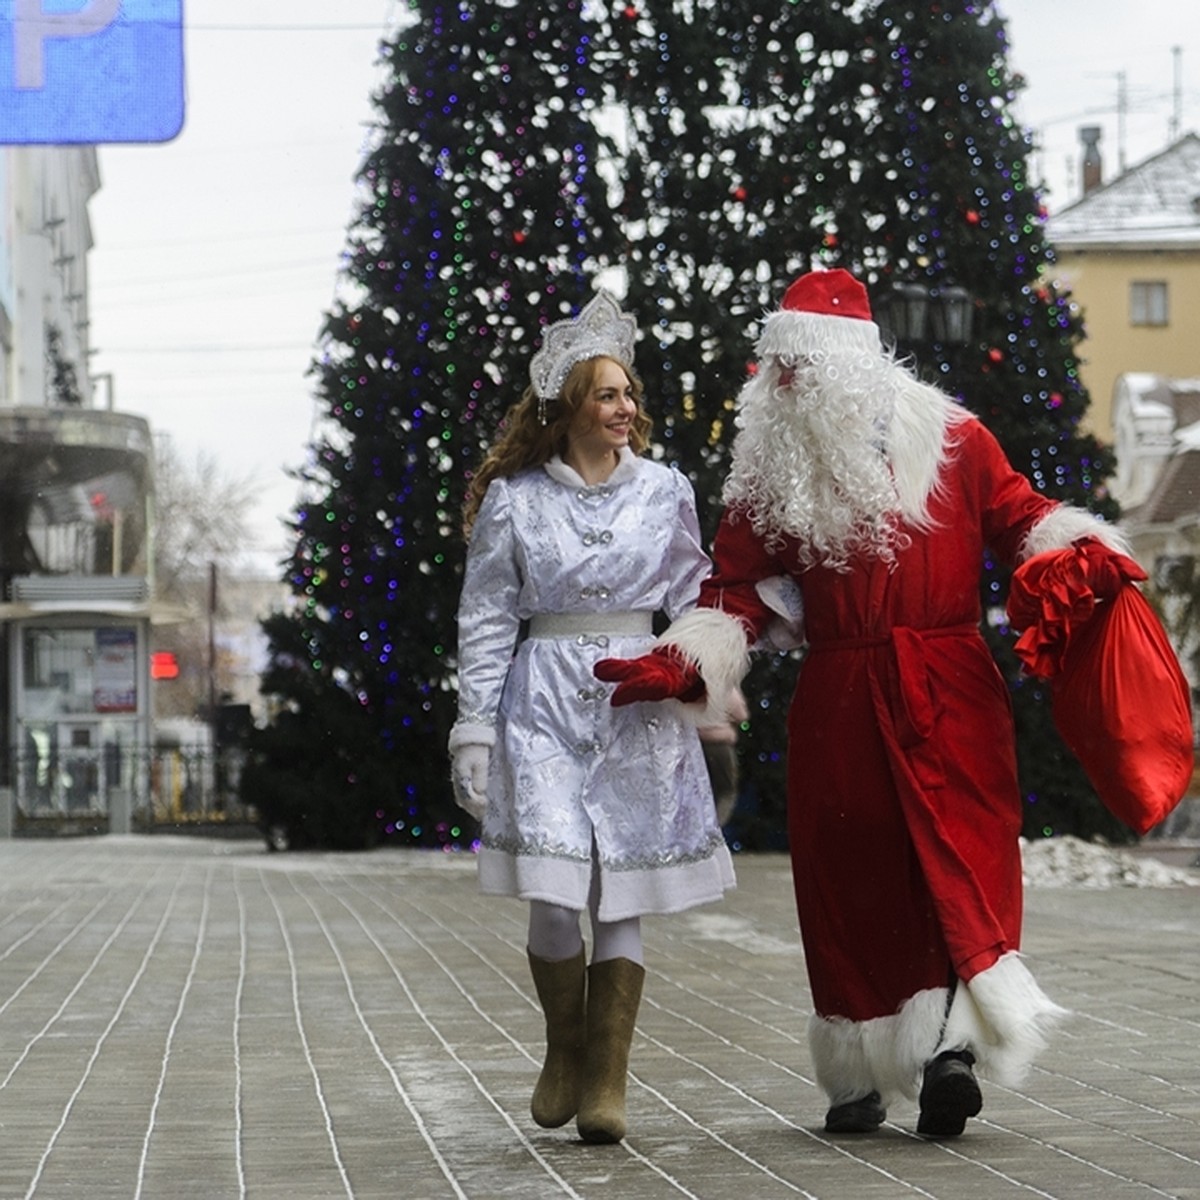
point(663, 674)
point(469, 774)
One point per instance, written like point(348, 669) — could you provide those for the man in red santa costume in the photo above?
point(867, 497)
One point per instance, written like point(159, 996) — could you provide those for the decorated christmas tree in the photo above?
point(483, 217)
point(697, 157)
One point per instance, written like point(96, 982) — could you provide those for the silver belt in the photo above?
point(590, 628)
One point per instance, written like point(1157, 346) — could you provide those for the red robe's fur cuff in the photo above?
point(716, 645)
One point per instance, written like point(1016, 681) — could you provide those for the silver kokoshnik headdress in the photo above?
point(601, 328)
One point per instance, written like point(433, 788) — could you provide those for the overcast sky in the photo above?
point(216, 254)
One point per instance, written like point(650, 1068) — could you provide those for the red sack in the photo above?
point(1121, 702)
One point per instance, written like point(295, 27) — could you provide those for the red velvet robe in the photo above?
point(903, 805)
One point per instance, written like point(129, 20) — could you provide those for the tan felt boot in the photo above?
point(560, 988)
point(614, 994)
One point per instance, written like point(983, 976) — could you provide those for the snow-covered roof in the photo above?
point(1143, 393)
point(1188, 438)
point(1153, 205)
point(1174, 497)
point(1164, 430)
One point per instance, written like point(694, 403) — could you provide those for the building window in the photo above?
point(76, 671)
point(1148, 304)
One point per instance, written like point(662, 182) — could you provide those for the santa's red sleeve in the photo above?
point(741, 562)
point(1018, 520)
point(732, 614)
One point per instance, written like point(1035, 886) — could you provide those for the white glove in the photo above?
point(469, 773)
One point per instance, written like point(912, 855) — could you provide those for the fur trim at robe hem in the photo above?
point(1002, 1016)
point(658, 891)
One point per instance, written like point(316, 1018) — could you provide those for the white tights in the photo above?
point(554, 933)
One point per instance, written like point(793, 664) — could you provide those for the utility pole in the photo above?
point(212, 676)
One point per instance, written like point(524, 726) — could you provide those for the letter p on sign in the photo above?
point(91, 70)
point(34, 25)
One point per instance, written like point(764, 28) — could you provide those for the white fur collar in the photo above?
point(625, 470)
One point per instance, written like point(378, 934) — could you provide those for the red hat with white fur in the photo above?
point(823, 310)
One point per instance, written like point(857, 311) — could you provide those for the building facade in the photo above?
point(1129, 253)
point(1157, 421)
point(76, 521)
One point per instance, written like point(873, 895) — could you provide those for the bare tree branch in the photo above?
point(202, 516)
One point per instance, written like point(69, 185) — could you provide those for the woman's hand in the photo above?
point(469, 774)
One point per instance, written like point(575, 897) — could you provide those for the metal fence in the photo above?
point(94, 790)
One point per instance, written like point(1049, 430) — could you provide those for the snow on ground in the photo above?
point(1070, 862)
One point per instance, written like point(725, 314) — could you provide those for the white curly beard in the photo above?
point(809, 460)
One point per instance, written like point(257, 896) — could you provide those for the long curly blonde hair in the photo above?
point(525, 442)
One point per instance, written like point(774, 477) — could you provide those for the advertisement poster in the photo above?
point(115, 678)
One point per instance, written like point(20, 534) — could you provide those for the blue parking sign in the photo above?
point(91, 70)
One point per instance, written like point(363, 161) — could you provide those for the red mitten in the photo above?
point(1054, 595)
point(663, 674)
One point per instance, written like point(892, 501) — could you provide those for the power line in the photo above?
point(248, 348)
point(192, 25)
point(247, 272)
point(190, 239)
point(202, 289)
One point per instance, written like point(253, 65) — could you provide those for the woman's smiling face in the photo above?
point(605, 419)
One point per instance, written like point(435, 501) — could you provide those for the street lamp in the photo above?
point(910, 314)
point(950, 315)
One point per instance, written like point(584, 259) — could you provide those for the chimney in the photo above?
point(1089, 135)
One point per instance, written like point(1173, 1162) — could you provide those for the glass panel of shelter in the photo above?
point(77, 729)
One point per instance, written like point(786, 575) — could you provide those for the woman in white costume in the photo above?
point(575, 542)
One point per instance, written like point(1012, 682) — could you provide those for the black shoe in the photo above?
point(949, 1094)
point(863, 1115)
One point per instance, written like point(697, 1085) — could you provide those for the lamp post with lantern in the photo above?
point(911, 315)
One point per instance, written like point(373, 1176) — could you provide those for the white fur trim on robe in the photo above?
point(1066, 524)
point(1002, 1016)
point(716, 645)
point(886, 1055)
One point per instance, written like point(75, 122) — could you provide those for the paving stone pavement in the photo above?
point(185, 1017)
